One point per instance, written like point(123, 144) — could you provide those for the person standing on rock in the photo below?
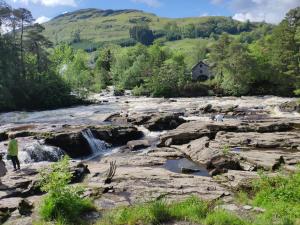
point(12, 152)
point(3, 169)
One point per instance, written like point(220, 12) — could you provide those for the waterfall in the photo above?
point(36, 152)
point(97, 146)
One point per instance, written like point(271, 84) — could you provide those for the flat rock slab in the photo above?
point(134, 184)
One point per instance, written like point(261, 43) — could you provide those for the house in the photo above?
point(201, 71)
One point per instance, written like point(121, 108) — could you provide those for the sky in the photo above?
point(272, 11)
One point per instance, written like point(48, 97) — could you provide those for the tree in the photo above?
point(239, 70)
point(36, 43)
point(25, 18)
point(142, 34)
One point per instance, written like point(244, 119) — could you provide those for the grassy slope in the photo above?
point(189, 47)
point(100, 26)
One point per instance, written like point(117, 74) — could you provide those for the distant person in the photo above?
point(12, 152)
point(3, 169)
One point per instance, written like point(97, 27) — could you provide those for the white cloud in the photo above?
point(151, 3)
point(272, 11)
point(42, 19)
point(49, 2)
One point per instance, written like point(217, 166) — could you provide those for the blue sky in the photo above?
point(271, 11)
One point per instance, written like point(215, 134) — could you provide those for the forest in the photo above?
point(246, 59)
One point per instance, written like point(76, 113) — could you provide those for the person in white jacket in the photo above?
point(3, 169)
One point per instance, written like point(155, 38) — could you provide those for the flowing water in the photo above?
point(97, 146)
point(107, 105)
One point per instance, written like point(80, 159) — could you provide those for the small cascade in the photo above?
point(97, 146)
point(37, 152)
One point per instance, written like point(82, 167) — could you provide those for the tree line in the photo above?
point(36, 75)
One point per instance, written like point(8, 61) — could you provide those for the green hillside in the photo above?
point(96, 26)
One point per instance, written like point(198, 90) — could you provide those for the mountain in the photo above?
point(92, 27)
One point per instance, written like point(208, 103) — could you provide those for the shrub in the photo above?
point(63, 202)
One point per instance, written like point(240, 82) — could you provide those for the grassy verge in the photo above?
point(278, 195)
point(158, 212)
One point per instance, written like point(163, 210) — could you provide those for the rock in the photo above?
point(201, 151)
point(238, 180)
point(79, 172)
point(247, 207)
point(188, 170)
point(137, 145)
point(9, 204)
point(168, 153)
point(75, 145)
point(197, 129)
point(228, 207)
point(293, 106)
point(3, 136)
point(25, 208)
point(259, 210)
point(164, 122)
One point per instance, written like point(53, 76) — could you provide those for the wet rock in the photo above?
point(164, 122)
point(138, 144)
point(293, 106)
point(75, 145)
point(3, 136)
point(188, 170)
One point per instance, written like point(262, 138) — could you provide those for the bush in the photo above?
point(62, 202)
point(140, 91)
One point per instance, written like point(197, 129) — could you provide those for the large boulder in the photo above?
point(209, 154)
point(75, 144)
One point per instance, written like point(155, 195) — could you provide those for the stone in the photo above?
point(188, 170)
point(138, 144)
point(228, 207)
point(25, 207)
point(247, 207)
point(291, 106)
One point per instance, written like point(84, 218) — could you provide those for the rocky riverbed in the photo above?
point(163, 148)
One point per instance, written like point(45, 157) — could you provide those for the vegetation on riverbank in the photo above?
point(63, 202)
point(278, 196)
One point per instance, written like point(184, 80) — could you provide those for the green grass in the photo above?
point(190, 49)
point(157, 212)
point(221, 217)
point(280, 196)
